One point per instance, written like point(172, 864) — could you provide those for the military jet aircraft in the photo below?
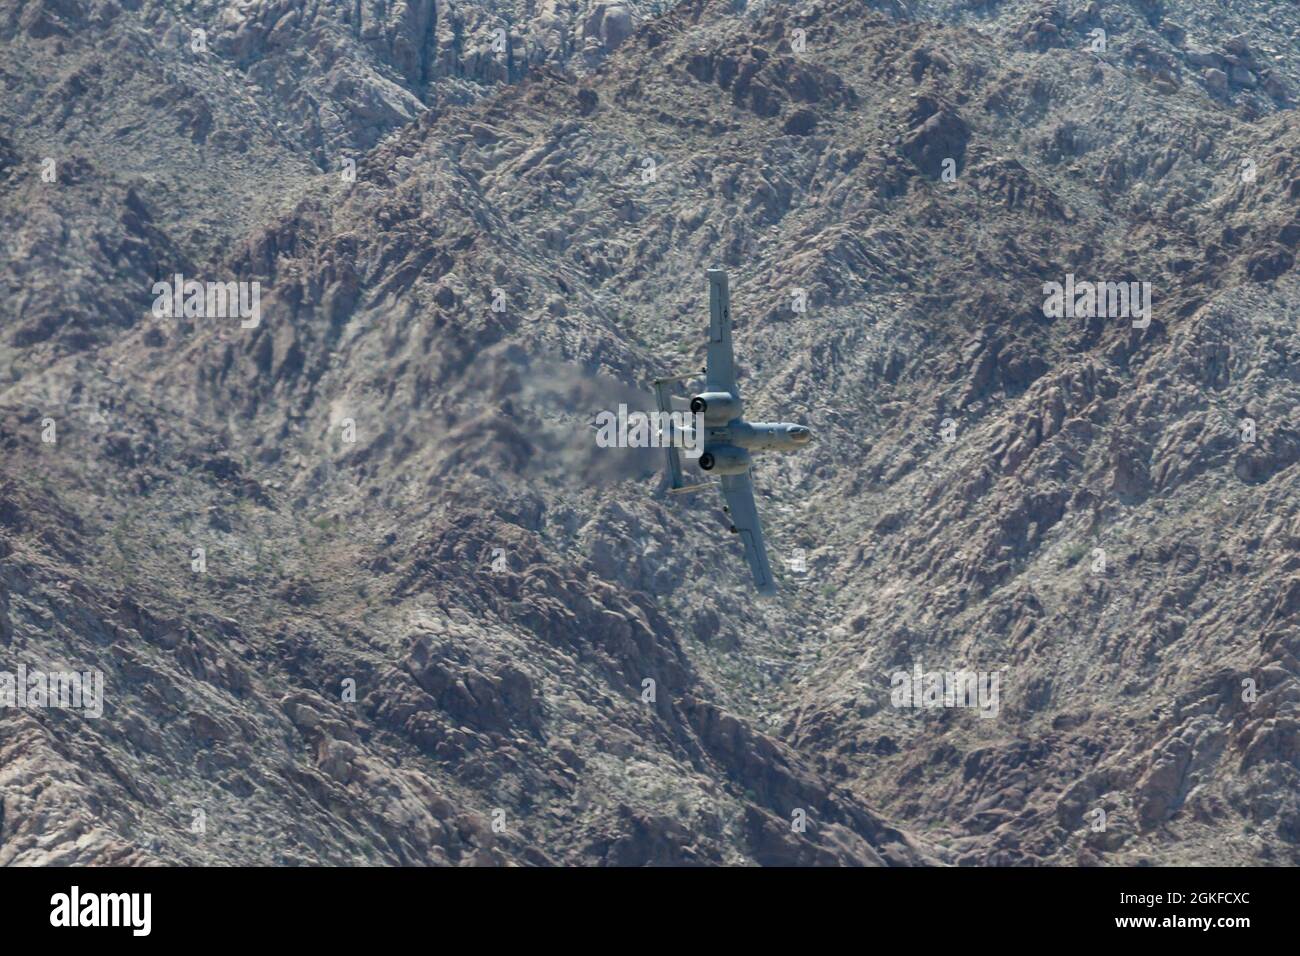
point(728, 438)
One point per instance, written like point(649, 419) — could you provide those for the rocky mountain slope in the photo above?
point(434, 623)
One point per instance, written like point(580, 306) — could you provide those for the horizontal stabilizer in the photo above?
point(665, 401)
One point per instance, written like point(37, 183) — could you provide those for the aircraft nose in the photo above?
point(801, 434)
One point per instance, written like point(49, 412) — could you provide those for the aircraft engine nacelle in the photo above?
point(724, 460)
point(718, 407)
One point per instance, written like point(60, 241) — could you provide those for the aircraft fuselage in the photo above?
point(727, 447)
point(759, 436)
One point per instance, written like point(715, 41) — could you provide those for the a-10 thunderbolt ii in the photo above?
point(728, 438)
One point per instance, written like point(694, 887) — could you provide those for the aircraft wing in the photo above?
point(739, 492)
point(720, 374)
